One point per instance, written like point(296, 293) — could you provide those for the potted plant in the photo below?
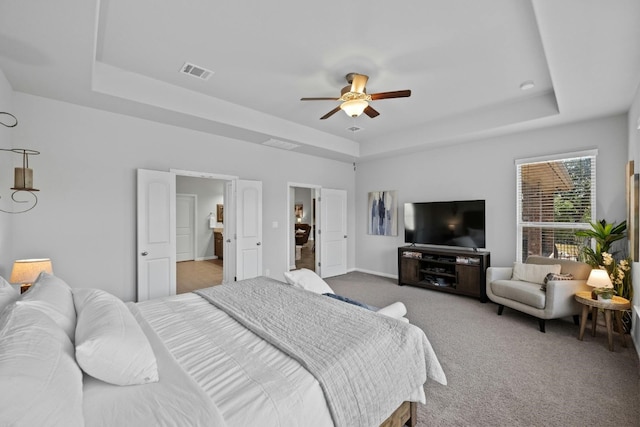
point(604, 294)
point(605, 234)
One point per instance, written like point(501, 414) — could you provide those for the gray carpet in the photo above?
point(502, 371)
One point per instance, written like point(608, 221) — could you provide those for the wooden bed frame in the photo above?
point(405, 415)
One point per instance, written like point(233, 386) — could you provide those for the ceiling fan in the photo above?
point(355, 99)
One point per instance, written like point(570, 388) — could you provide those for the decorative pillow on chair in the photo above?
point(110, 344)
point(52, 296)
point(533, 273)
point(309, 280)
point(554, 276)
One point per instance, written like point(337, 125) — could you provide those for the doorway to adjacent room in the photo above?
point(199, 233)
point(303, 225)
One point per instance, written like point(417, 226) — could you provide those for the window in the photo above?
point(556, 196)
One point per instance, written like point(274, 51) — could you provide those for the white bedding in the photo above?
point(252, 382)
point(213, 372)
point(171, 401)
point(367, 364)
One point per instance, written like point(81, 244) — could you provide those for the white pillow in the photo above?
point(8, 293)
point(309, 280)
point(40, 382)
point(534, 273)
point(52, 296)
point(110, 344)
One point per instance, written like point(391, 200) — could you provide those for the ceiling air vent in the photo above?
point(354, 129)
point(280, 144)
point(195, 71)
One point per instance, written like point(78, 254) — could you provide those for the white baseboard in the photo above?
point(376, 273)
point(206, 258)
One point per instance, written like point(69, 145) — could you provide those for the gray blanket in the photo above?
point(367, 364)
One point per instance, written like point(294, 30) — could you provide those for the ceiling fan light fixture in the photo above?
point(354, 107)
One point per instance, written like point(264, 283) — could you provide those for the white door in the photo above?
point(248, 229)
point(333, 232)
point(185, 227)
point(156, 234)
point(229, 242)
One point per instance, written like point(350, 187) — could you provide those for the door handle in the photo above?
point(258, 244)
point(228, 240)
point(145, 253)
point(345, 236)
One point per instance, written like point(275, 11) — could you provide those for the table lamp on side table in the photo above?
point(598, 278)
point(26, 271)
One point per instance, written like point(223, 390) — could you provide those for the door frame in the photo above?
point(291, 219)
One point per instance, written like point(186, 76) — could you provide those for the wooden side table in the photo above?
point(617, 306)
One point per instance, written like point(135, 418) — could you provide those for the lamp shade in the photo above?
point(27, 270)
point(354, 107)
point(599, 279)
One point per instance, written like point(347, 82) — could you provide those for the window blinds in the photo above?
point(556, 197)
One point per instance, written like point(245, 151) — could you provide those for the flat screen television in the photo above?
point(456, 223)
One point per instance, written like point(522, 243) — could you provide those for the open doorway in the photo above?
point(303, 226)
point(199, 232)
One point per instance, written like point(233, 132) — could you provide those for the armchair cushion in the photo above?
point(534, 273)
point(517, 290)
point(579, 270)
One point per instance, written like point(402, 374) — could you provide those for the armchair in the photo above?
point(302, 233)
point(529, 296)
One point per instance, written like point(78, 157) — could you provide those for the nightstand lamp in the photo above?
point(598, 278)
point(26, 271)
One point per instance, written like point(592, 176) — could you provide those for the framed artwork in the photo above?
point(298, 210)
point(220, 213)
point(382, 212)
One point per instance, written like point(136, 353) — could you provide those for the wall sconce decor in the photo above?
point(23, 176)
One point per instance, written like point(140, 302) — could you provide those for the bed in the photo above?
point(251, 353)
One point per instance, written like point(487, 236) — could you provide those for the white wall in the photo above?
point(85, 220)
point(7, 161)
point(486, 170)
point(209, 192)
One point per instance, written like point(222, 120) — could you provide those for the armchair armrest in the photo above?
point(498, 273)
point(560, 296)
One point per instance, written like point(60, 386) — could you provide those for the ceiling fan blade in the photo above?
point(394, 94)
point(369, 111)
point(319, 99)
point(359, 82)
point(330, 113)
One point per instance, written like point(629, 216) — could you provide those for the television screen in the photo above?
point(457, 223)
